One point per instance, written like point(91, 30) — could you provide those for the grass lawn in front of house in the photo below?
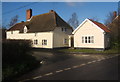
point(94, 51)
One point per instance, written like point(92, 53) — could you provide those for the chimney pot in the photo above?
point(22, 21)
point(51, 11)
point(28, 14)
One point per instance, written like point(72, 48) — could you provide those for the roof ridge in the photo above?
point(41, 14)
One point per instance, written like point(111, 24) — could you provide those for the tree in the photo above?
point(73, 21)
point(119, 8)
point(95, 18)
point(113, 22)
point(13, 21)
point(110, 17)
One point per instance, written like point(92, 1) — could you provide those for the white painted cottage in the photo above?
point(91, 34)
point(47, 30)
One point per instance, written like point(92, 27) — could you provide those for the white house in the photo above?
point(47, 30)
point(91, 34)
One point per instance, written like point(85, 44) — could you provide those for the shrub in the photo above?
point(115, 44)
point(15, 58)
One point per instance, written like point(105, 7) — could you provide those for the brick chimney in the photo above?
point(28, 14)
point(114, 14)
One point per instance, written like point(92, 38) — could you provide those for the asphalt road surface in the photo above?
point(75, 67)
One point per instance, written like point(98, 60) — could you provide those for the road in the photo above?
point(75, 67)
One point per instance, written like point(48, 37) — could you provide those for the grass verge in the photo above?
point(91, 51)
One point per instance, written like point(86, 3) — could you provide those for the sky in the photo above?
point(98, 10)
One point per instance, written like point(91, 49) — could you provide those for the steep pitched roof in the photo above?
point(18, 26)
point(99, 25)
point(103, 27)
point(42, 23)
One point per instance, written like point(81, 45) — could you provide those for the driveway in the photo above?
point(59, 63)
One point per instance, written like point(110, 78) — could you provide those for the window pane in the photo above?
point(11, 32)
point(44, 42)
point(89, 39)
point(65, 41)
point(35, 41)
point(92, 39)
point(62, 29)
point(65, 29)
point(82, 39)
point(85, 39)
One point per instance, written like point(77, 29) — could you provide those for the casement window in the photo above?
point(35, 34)
point(11, 32)
point(65, 41)
point(92, 39)
point(25, 29)
point(64, 29)
point(35, 42)
point(44, 42)
point(82, 39)
point(87, 39)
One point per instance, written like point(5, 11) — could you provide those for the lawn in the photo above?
point(109, 51)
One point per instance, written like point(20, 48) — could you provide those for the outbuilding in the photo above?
point(91, 34)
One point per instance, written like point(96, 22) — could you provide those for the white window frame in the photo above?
point(83, 39)
point(35, 42)
point(11, 32)
point(65, 41)
point(44, 42)
point(87, 39)
point(25, 29)
point(35, 34)
point(92, 39)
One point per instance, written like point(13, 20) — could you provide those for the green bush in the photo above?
point(15, 58)
point(115, 44)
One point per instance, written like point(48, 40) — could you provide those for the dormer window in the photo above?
point(64, 29)
point(25, 29)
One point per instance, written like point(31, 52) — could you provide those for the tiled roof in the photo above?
point(103, 27)
point(42, 23)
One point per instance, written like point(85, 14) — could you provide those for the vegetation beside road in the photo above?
point(15, 59)
point(90, 51)
point(115, 46)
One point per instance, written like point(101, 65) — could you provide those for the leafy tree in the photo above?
point(73, 21)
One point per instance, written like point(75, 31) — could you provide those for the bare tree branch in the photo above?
point(73, 21)
point(13, 21)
